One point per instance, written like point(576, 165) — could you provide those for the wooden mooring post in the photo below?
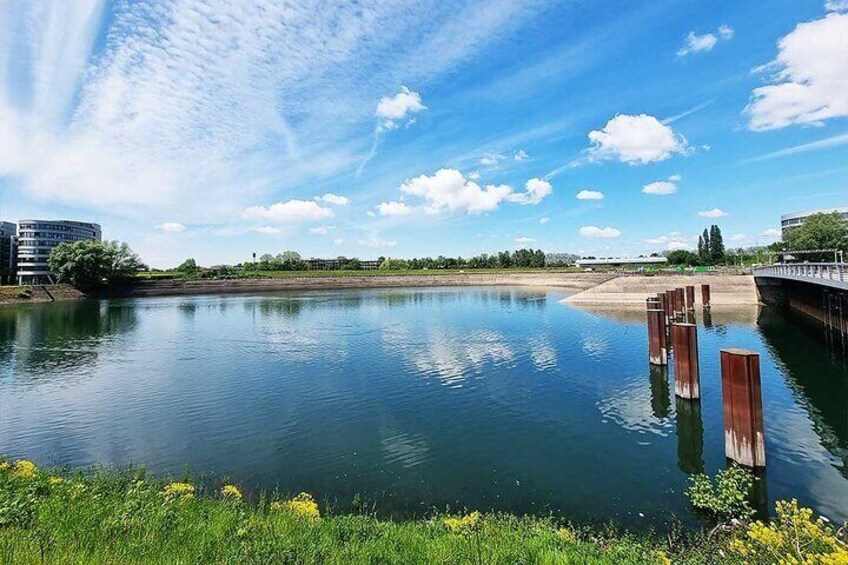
point(744, 436)
point(684, 340)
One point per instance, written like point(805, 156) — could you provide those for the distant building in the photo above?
point(339, 263)
point(789, 221)
point(8, 254)
point(622, 262)
point(36, 238)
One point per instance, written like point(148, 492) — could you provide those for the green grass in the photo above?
point(372, 273)
point(124, 517)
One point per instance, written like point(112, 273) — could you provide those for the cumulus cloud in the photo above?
point(290, 211)
point(586, 194)
point(671, 241)
point(172, 227)
point(393, 209)
point(636, 140)
point(660, 188)
point(473, 175)
point(836, 5)
point(392, 109)
point(448, 190)
point(714, 213)
point(491, 159)
point(524, 240)
point(521, 155)
point(544, 220)
point(333, 199)
point(809, 77)
point(535, 190)
point(701, 43)
point(596, 232)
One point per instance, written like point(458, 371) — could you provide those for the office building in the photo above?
point(37, 238)
point(789, 221)
point(8, 254)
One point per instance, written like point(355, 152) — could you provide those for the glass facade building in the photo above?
point(36, 238)
point(8, 255)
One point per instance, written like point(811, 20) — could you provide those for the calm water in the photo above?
point(412, 399)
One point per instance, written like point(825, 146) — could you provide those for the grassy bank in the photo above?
point(131, 517)
point(154, 275)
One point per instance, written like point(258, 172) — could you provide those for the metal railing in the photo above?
point(824, 271)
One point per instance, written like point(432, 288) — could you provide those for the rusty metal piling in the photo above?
point(744, 436)
point(684, 339)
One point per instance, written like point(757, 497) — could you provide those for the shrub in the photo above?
point(725, 499)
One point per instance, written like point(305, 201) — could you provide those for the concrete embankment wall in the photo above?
point(39, 294)
point(725, 290)
point(570, 281)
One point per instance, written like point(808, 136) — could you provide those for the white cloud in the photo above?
point(392, 109)
point(675, 178)
point(491, 160)
point(338, 241)
point(393, 209)
point(267, 230)
point(321, 230)
point(535, 190)
point(448, 190)
point(772, 232)
point(810, 77)
point(172, 227)
point(473, 175)
point(290, 211)
point(375, 242)
point(660, 188)
point(586, 194)
point(524, 240)
point(836, 5)
point(738, 237)
point(334, 199)
point(696, 43)
point(596, 232)
point(521, 155)
point(714, 213)
point(544, 220)
point(635, 140)
point(677, 244)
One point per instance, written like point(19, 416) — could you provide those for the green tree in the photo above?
point(189, 266)
point(394, 265)
point(682, 257)
point(716, 246)
point(819, 231)
point(704, 248)
point(90, 265)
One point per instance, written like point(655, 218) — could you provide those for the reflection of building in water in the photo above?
point(39, 340)
point(660, 400)
point(817, 376)
point(690, 436)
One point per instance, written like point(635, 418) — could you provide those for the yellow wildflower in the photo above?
point(662, 558)
point(302, 505)
point(4, 465)
point(55, 481)
point(24, 469)
point(565, 534)
point(231, 492)
point(182, 491)
point(463, 525)
point(77, 489)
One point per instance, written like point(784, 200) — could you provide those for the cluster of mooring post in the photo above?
point(740, 372)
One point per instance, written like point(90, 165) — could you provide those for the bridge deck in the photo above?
point(832, 275)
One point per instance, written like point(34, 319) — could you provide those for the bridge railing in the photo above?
point(826, 271)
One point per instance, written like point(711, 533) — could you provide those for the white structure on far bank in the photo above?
point(36, 238)
point(788, 221)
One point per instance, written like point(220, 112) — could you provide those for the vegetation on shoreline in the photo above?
point(107, 516)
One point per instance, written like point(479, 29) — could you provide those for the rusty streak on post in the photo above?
point(657, 348)
point(669, 305)
point(705, 295)
point(690, 297)
point(687, 382)
point(744, 438)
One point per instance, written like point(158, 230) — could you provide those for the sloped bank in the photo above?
point(632, 290)
point(570, 281)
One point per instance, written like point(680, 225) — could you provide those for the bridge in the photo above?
point(819, 290)
point(833, 275)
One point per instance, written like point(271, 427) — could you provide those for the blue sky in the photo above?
point(215, 129)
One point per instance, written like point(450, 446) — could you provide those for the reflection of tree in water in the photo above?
point(818, 378)
point(44, 338)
